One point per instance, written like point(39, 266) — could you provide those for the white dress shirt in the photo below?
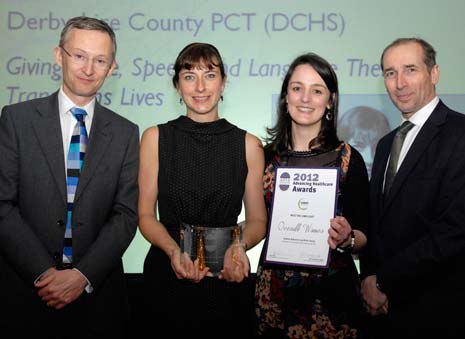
point(67, 122)
point(418, 119)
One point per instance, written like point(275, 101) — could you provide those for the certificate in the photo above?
point(303, 203)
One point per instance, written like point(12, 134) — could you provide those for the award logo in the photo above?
point(284, 181)
point(302, 204)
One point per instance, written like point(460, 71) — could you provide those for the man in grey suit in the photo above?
point(41, 292)
point(413, 269)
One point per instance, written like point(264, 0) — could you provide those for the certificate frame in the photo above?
point(304, 201)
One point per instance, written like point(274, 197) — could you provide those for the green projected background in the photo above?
point(257, 40)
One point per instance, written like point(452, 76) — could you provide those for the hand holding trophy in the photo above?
point(213, 251)
point(236, 262)
point(185, 264)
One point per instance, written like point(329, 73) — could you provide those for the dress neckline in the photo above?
point(308, 153)
point(311, 152)
point(214, 127)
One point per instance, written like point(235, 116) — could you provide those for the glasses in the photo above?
point(82, 59)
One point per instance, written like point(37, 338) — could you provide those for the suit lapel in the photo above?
point(379, 167)
point(99, 140)
point(425, 136)
point(46, 125)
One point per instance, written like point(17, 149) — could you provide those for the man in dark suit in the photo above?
point(413, 269)
point(41, 291)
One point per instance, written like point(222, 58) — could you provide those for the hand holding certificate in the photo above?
point(303, 204)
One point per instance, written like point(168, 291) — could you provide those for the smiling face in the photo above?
point(201, 88)
point(408, 81)
point(82, 82)
point(307, 98)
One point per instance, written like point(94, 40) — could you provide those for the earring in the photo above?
point(221, 98)
point(180, 101)
point(329, 116)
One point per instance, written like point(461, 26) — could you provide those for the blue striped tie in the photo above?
point(77, 150)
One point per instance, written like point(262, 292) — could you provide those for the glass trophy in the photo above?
point(208, 244)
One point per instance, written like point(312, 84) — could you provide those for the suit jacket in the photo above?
point(416, 241)
point(33, 202)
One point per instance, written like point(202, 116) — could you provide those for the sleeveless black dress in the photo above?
point(201, 181)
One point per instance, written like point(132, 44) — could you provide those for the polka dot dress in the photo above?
point(202, 173)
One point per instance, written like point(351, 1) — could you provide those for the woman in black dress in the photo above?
point(198, 170)
point(305, 302)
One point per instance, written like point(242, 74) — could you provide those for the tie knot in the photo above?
point(405, 127)
point(78, 113)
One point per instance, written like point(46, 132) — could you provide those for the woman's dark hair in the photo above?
point(195, 54)
point(279, 137)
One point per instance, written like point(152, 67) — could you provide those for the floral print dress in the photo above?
point(301, 302)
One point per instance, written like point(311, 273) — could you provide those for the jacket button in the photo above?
point(60, 223)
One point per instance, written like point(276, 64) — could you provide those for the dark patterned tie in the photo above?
point(395, 151)
point(77, 150)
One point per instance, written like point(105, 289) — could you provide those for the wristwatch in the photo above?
point(349, 248)
point(378, 287)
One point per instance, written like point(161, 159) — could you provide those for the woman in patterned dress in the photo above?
point(313, 302)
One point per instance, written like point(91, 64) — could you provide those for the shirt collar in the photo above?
point(420, 117)
point(65, 104)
